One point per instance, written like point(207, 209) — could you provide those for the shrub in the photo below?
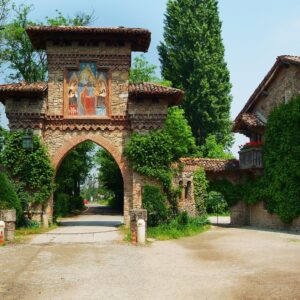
point(32, 168)
point(183, 218)
point(156, 204)
point(8, 196)
point(200, 190)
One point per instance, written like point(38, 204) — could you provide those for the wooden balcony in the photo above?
point(251, 158)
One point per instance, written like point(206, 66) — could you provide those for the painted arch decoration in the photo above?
point(86, 91)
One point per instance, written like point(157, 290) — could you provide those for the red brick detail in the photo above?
point(71, 143)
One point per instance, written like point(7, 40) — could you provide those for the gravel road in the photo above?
point(223, 263)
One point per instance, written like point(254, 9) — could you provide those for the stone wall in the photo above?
point(285, 85)
point(260, 217)
point(116, 59)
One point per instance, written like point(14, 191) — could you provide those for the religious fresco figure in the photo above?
point(87, 91)
point(73, 97)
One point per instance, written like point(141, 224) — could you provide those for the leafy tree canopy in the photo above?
point(192, 58)
point(16, 50)
point(110, 176)
point(143, 71)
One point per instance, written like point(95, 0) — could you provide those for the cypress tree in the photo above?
point(192, 58)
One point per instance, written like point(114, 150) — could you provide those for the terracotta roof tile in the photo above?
point(22, 89)
point(140, 38)
point(136, 90)
point(147, 89)
point(210, 164)
point(249, 120)
point(280, 61)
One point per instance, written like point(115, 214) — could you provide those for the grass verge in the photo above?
point(176, 230)
point(24, 233)
point(173, 230)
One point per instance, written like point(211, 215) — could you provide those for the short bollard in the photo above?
point(141, 231)
point(2, 228)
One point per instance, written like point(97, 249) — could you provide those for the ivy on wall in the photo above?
point(200, 190)
point(279, 187)
point(282, 160)
point(152, 154)
point(31, 170)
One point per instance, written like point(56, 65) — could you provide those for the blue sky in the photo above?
point(254, 33)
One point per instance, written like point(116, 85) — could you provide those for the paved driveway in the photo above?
point(223, 263)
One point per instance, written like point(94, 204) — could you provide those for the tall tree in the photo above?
point(192, 58)
point(16, 50)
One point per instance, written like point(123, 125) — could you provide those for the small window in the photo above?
point(187, 190)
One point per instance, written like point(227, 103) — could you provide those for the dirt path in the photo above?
point(96, 224)
point(223, 263)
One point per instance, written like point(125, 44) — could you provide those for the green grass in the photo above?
point(175, 230)
point(24, 233)
point(172, 230)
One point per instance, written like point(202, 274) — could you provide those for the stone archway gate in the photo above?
point(88, 97)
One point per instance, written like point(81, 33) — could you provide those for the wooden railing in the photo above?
point(251, 158)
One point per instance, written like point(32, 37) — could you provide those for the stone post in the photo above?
point(9, 217)
point(135, 215)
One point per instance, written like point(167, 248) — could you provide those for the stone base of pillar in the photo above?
point(135, 215)
point(9, 218)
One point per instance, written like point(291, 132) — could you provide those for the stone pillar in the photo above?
point(239, 214)
point(9, 217)
point(135, 215)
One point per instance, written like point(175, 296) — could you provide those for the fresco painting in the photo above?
point(87, 91)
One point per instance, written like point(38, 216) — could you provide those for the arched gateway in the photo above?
point(88, 97)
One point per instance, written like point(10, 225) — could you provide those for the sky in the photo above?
point(254, 33)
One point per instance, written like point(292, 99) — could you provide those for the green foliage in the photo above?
point(74, 169)
point(110, 178)
point(212, 149)
point(143, 71)
point(152, 154)
point(8, 197)
point(282, 160)
point(17, 51)
point(232, 193)
point(192, 58)
point(252, 190)
point(31, 168)
point(200, 190)
point(156, 204)
point(177, 127)
point(65, 204)
point(79, 19)
point(71, 174)
point(216, 204)
point(179, 227)
point(183, 218)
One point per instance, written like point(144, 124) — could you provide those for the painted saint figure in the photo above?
point(87, 91)
point(73, 97)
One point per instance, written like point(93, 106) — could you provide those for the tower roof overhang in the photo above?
point(139, 38)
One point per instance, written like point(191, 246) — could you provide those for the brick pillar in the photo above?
point(9, 218)
point(135, 215)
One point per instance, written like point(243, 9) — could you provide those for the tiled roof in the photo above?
point(147, 89)
point(22, 89)
point(249, 120)
point(210, 164)
point(136, 90)
point(280, 61)
point(140, 38)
